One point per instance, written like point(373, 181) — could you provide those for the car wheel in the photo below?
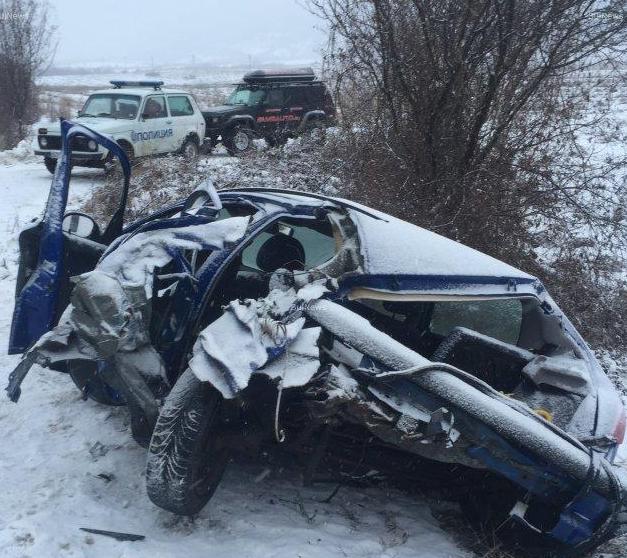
point(186, 456)
point(85, 376)
point(239, 140)
point(190, 150)
point(51, 164)
point(112, 163)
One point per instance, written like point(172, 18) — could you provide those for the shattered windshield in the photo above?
point(248, 97)
point(112, 105)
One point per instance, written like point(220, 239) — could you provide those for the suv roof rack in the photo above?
point(120, 83)
point(282, 75)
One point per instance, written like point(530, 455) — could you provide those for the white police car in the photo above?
point(140, 116)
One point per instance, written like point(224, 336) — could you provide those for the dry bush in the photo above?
point(26, 47)
point(160, 181)
point(491, 123)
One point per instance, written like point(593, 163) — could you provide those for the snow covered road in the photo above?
point(67, 463)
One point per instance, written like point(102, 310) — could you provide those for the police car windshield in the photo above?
point(112, 105)
point(247, 97)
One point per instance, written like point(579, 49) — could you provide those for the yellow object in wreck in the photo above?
point(546, 415)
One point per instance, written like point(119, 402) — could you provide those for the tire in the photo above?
point(51, 164)
point(85, 376)
point(112, 163)
point(189, 149)
point(239, 140)
point(185, 458)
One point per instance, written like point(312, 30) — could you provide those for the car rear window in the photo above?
point(500, 318)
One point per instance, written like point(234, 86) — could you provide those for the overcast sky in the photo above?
point(224, 31)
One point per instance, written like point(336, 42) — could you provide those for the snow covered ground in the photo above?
point(67, 463)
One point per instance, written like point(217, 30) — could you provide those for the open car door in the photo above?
point(59, 246)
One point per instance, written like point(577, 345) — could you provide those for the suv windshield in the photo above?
point(245, 96)
point(112, 105)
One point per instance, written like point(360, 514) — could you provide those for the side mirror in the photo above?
point(80, 225)
point(80, 112)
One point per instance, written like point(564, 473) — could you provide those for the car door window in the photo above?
point(155, 108)
point(274, 98)
point(297, 97)
point(180, 105)
point(500, 318)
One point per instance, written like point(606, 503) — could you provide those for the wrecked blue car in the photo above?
point(241, 318)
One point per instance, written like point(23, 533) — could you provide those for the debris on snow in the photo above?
point(114, 534)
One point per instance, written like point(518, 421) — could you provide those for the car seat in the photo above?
point(281, 252)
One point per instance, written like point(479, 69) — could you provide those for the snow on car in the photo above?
point(278, 317)
point(140, 116)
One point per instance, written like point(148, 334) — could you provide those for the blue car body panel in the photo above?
point(37, 304)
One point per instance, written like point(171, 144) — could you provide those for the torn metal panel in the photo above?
point(255, 333)
point(490, 408)
point(110, 307)
point(135, 258)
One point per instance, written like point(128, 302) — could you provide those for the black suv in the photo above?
point(274, 105)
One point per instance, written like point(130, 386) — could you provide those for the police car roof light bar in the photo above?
point(118, 84)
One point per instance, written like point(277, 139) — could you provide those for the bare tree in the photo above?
point(467, 117)
point(26, 48)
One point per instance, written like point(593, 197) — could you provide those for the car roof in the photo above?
point(140, 91)
point(391, 246)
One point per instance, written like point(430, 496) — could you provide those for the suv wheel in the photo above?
point(51, 164)
point(190, 149)
point(239, 140)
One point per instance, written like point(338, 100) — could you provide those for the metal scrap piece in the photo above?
point(114, 534)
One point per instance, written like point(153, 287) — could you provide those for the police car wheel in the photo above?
point(51, 164)
point(113, 163)
point(239, 140)
point(189, 149)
